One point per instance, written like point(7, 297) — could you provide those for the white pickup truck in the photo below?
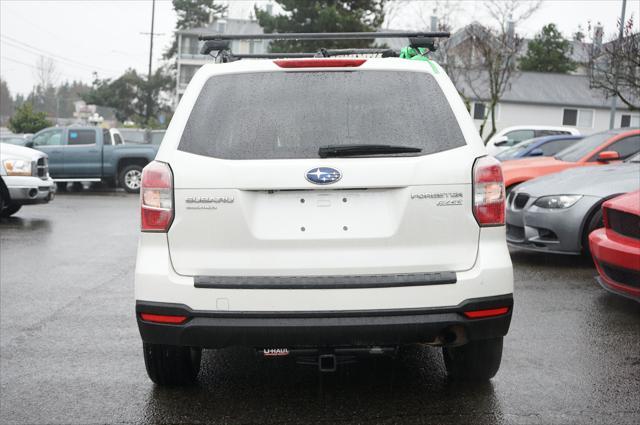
point(24, 178)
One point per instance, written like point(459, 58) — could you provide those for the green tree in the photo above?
point(549, 51)
point(128, 95)
point(322, 16)
point(26, 120)
point(193, 14)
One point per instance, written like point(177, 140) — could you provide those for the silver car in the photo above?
point(556, 213)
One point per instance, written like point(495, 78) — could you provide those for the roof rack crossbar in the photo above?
point(325, 36)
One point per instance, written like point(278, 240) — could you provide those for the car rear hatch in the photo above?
point(247, 203)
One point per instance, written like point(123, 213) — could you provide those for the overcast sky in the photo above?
point(105, 36)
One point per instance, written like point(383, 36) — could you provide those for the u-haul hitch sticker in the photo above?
point(274, 352)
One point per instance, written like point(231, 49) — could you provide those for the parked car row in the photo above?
point(560, 204)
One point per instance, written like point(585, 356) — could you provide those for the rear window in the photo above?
point(82, 137)
point(292, 114)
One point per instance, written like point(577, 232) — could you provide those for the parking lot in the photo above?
point(71, 352)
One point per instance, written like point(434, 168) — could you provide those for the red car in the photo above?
point(616, 247)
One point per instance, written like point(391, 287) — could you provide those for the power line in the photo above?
point(83, 46)
point(17, 61)
point(40, 53)
point(73, 77)
point(11, 40)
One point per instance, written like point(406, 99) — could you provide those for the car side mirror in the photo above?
point(607, 156)
point(501, 141)
point(28, 143)
point(536, 152)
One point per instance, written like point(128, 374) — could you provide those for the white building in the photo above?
point(539, 98)
point(189, 58)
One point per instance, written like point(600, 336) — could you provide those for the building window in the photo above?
point(570, 117)
point(186, 73)
point(585, 118)
point(221, 26)
point(479, 110)
point(578, 117)
point(625, 121)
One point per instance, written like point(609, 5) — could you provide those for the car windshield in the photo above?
point(582, 148)
point(271, 115)
point(514, 151)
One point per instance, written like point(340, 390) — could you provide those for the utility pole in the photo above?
point(614, 98)
point(149, 99)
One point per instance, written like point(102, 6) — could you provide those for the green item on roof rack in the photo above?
point(419, 54)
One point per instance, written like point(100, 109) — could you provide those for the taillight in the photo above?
point(156, 197)
point(163, 318)
point(491, 312)
point(318, 63)
point(488, 192)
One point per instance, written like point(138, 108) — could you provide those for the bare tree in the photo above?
point(46, 72)
point(392, 10)
point(489, 55)
point(445, 11)
point(614, 67)
point(506, 12)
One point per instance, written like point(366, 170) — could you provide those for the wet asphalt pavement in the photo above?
point(70, 350)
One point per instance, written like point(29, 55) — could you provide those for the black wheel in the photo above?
point(9, 210)
point(130, 178)
point(61, 186)
point(172, 365)
point(594, 222)
point(474, 361)
point(2, 202)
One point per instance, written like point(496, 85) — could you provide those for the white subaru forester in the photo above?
point(323, 208)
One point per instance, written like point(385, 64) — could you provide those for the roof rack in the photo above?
point(219, 45)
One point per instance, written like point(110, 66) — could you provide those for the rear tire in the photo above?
point(172, 365)
point(130, 178)
point(9, 210)
point(474, 361)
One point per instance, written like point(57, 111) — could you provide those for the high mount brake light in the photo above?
point(156, 197)
point(488, 192)
point(319, 63)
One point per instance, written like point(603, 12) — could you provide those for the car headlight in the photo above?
point(17, 167)
point(557, 201)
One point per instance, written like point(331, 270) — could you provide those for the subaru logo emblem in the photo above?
point(323, 175)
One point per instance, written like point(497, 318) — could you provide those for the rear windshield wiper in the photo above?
point(356, 150)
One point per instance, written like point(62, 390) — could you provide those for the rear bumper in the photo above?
point(215, 329)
